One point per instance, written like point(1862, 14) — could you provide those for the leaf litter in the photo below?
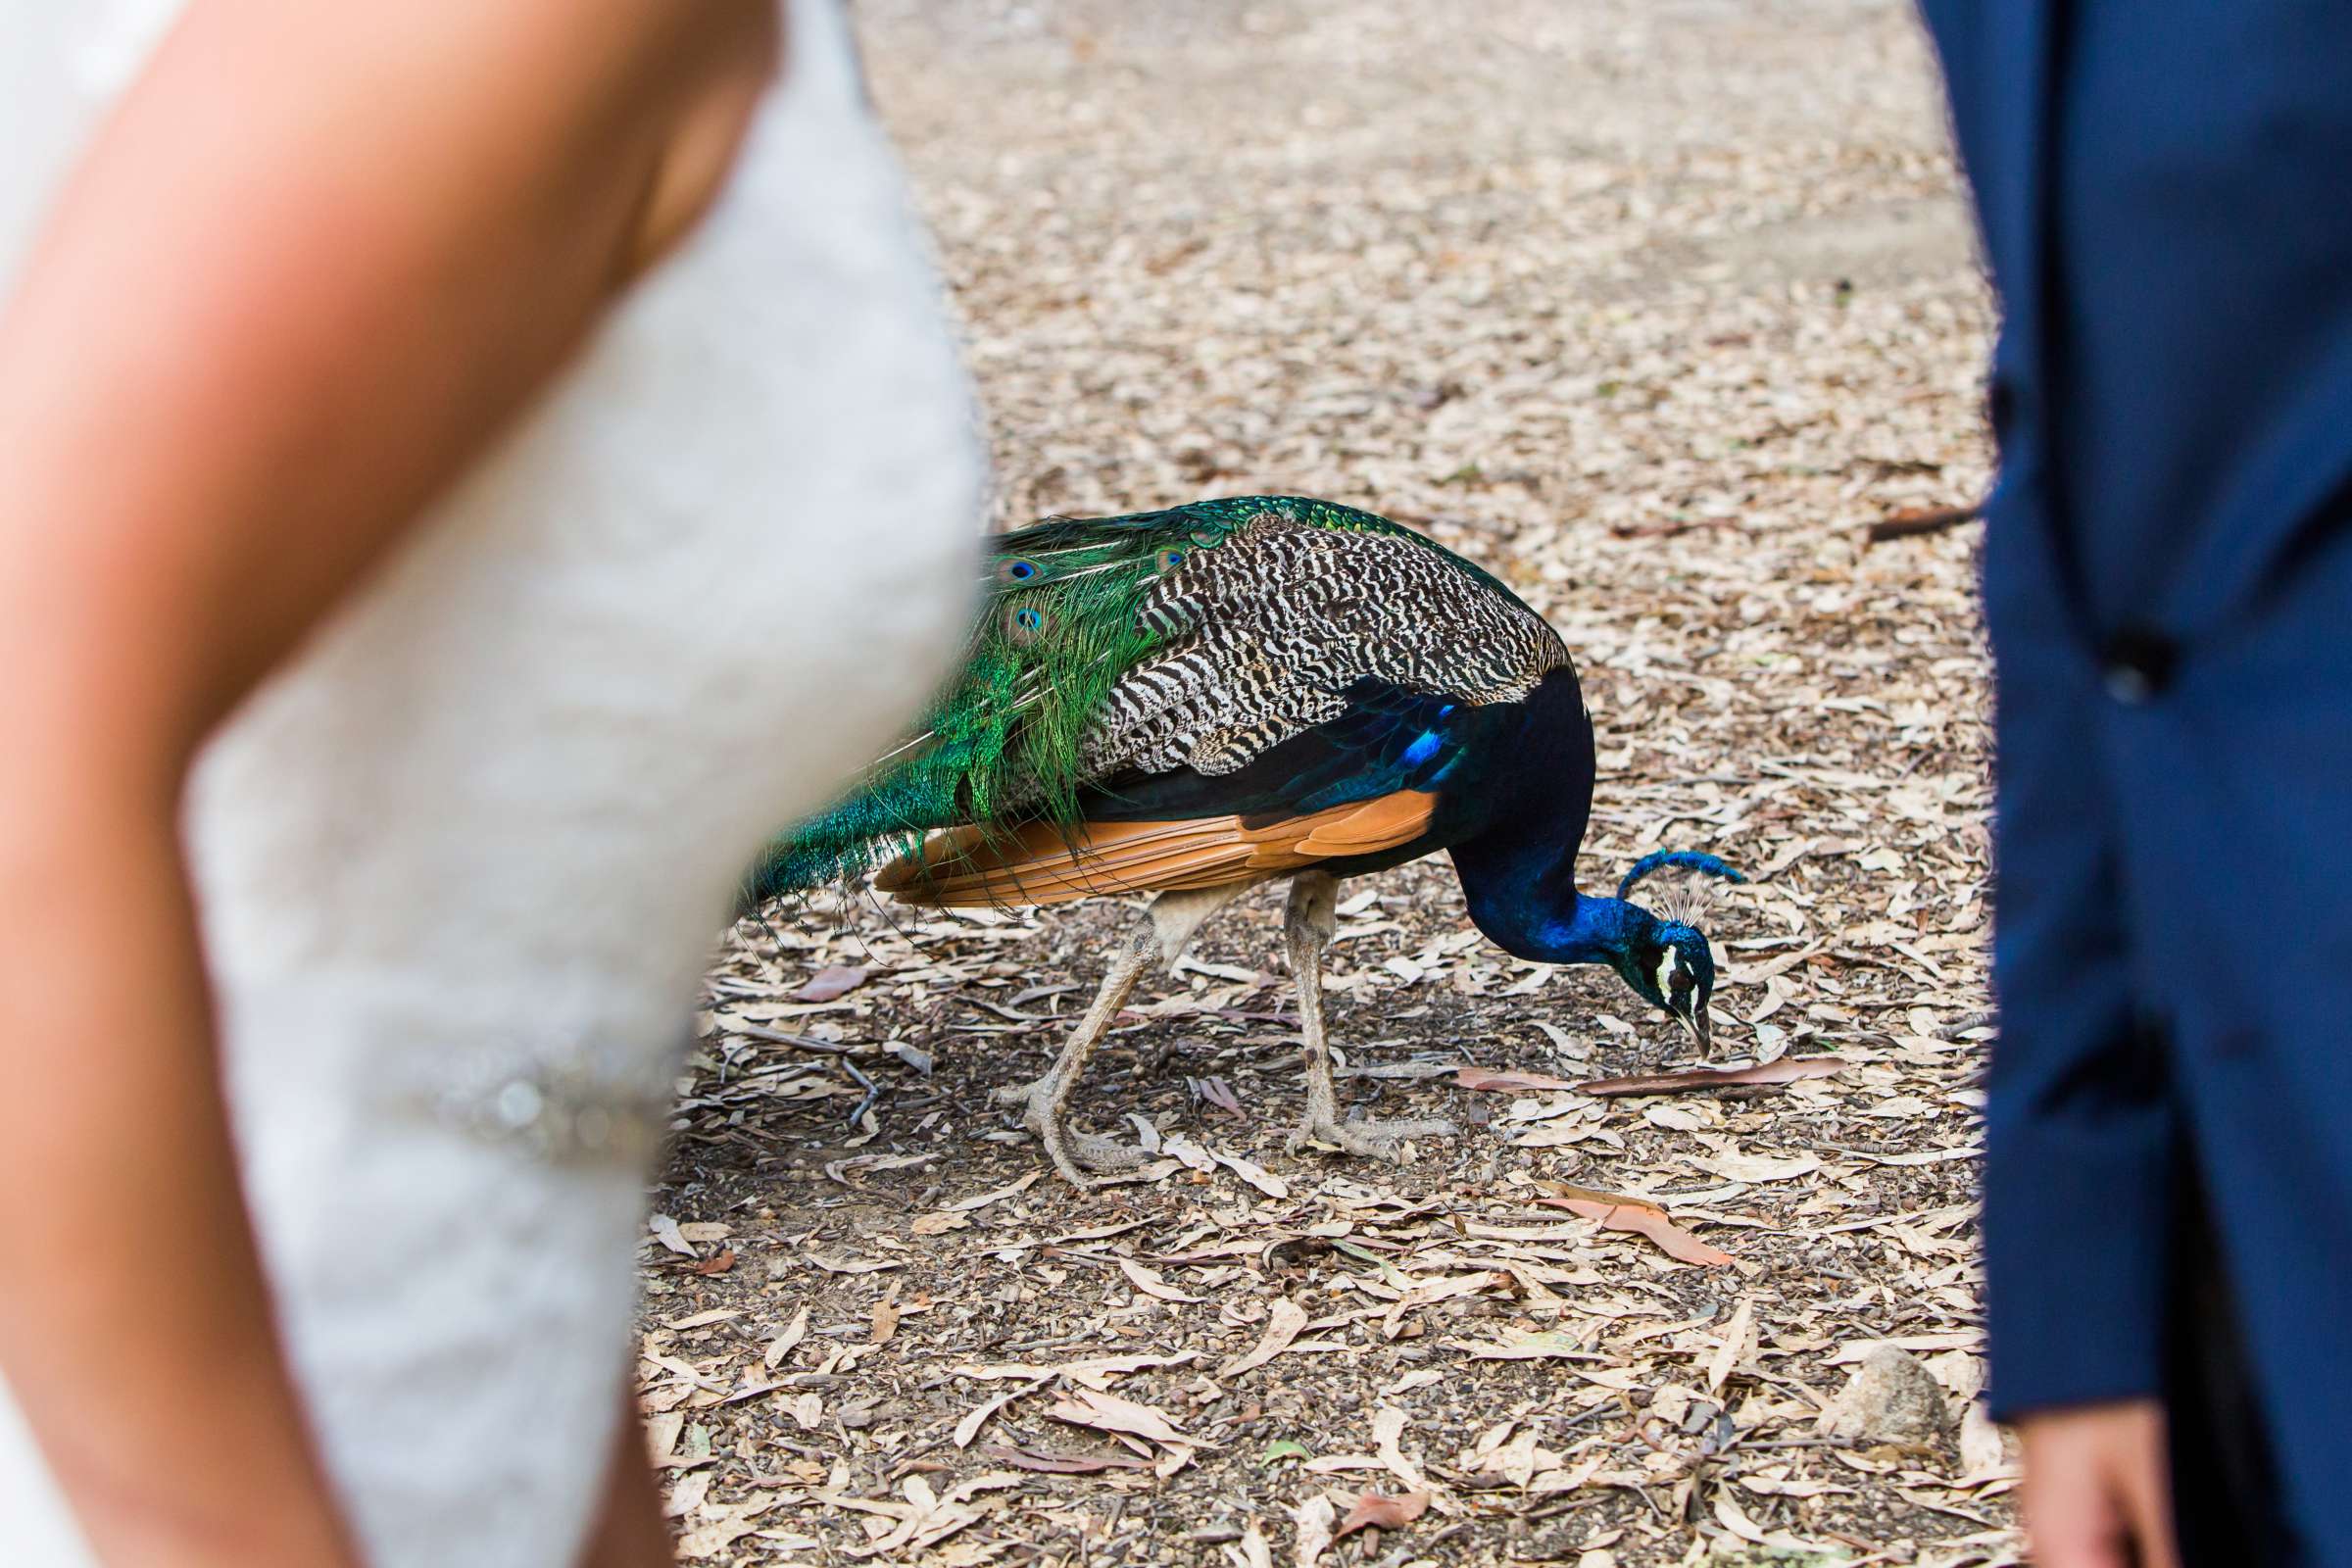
point(1653, 314)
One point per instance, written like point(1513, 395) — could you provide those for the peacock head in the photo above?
point(1664, 956)
point(1668, 964)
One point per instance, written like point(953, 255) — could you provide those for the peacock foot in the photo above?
point(1080, 1158)
point(1377, 1140)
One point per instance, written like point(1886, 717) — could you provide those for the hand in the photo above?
point(2098, 1486)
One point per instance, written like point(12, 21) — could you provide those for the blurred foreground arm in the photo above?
point(317, 261)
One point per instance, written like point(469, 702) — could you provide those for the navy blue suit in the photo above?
point(2166, 194)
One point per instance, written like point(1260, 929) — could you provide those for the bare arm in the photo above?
point(319, 258)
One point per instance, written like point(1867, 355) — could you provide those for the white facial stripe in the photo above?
point(1666, 963)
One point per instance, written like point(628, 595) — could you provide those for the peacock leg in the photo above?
point(1160, 937)
point(1045, 1100)
point(1308, 929)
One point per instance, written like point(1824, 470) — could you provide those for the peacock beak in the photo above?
point(1703, 1032)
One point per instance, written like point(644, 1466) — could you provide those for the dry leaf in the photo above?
point(1107, 1412)
point(1375, 1511)
point(665, 1231)
point(1256, 1175)
point(687, 1496)
point(1490, 1078)
point(1252, 1550)
point(940, 1222)
point(781, 1346)
point(1430, 1292)
point(1916, 1156)
point(1528, 1345)
point(1734, 1348)
point(696, 1320)
point(1387, 1441)
point(977, 1417)
point(1150, 1283)
point(827, 983)
point(1191, 1155)
point(1284, 1320)
point(1733, 1165)
point(1983, 1454)
point(1062, 1464)
point(980, 1200)
point(1095, 1371)
point(1776, 1487)
point(1509, 1452)
point(662, 1437)
point(1728, 1514)
point(1787, 1069)
point(1855, 1352)
point(1647, 1221)
point(1313, 1517)
point(715, 1537)
point(849, 1265)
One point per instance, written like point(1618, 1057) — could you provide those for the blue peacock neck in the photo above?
point(1519, 872)
point(1533, 910)
point(1519, 881)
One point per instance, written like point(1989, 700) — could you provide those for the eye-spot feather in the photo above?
point(1025, 624)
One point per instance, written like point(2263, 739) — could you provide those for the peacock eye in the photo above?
point(1026, 623)
point(1016, 570)
point(1170, 560)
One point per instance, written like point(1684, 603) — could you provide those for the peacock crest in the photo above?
point(1697, 881)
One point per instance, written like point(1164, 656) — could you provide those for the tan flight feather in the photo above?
point(965, 866)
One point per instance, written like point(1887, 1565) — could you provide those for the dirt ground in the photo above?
point(1649, 307)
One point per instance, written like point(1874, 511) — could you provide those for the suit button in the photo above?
point(2138, 665)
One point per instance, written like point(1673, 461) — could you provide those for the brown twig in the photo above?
point(1666, 530)
point(1913, 521)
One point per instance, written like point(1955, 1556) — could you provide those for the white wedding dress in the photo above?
point(462, 863)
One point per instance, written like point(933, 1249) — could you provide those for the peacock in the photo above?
point(1192, 702)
